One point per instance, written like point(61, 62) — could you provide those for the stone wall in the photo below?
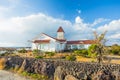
point(66, 70)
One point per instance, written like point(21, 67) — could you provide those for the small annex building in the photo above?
point(47, 43)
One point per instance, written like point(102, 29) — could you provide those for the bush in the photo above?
point(92, 55)
point(70, 58)
point(92, 51)
point(115, 52)
point(24, 73)
point(4, 54)
point(36, 51)
point(115, 49)
point(22, 50)
point(35, 76)
point(83, 52)
point(39, 57)
point(50, 53)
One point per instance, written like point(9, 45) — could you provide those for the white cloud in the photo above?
point(20, 29)
point(99, 20)
point(78, 20)
point(16, 31)
point(79, 24)
point(115, 36)
point(112, 26)
point(113, 31)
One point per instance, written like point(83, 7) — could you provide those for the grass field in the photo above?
point(78, 58)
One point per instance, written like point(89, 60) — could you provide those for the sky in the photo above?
point(22, 20)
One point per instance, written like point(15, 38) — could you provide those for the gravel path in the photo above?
point(4, 75)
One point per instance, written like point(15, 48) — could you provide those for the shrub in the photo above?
point(92, 55)
point(70, 58)
point(35, 76)
point(22, 50)
point(4, 54)
point(83, 52)
point(50, 53)
point(92, 51)
point(24, 73)
point(115, 49)
point(36, 51)
point(93, 61)
point(39, 57)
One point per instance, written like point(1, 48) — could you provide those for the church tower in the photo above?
point(60, 33)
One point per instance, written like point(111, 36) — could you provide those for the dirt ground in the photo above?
point(5, 75)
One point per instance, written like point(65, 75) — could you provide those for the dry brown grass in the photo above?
point(78, 58)
point(115, 61)
point(84, 59)
point(2, 63)
point(59, 55)
point(28, 54)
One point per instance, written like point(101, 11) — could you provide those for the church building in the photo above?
point(47, 43)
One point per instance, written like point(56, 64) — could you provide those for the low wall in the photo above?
point(60, 68)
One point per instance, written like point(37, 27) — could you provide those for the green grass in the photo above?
point(34, 76)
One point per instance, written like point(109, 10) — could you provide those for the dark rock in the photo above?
point(82, 75)
point(102, 76)
point(24, 64)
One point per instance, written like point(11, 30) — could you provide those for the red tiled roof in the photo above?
point(60, 29)
point(61, 40)
point(73, 42)
point(81, 42)
point(41, 41)
point(89, 42)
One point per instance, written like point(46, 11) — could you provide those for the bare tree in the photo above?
point(100, 46)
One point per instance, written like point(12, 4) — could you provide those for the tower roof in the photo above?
point(60, 29)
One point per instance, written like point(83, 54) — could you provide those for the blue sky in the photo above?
point(68, 9)
point(22, 20)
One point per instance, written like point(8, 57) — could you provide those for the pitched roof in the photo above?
point(46, 41)
point(81, 42)
point(41, 41)
point(61, 40)
point(60, 29)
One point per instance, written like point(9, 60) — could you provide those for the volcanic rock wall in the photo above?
point(66, 70)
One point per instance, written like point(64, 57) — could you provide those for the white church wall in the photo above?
point(87, 46)
point(60, 35)
point(34, 46)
